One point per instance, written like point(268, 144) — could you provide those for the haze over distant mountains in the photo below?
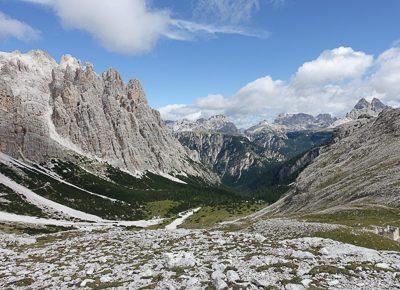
point(239, 155)
point(284, 121)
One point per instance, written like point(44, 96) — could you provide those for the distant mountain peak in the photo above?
point(362, 104)
point(303, 121)
point(365, 108)
point(377, 104)
point(213, 124)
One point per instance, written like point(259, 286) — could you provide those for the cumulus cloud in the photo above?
point(10, 27)
point(179, 111)
point(332, 83)
point(386, 79)
point(334, 65)
point(131, 26)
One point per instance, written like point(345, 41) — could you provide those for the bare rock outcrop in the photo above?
point(52, 110)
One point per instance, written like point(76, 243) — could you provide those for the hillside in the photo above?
point(360, 168)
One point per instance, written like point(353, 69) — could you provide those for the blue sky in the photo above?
point(208, 69)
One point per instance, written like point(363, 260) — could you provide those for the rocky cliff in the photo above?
point(228, 156)
point(245, 158)
point(50, 109)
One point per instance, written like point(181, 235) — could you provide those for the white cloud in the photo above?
point(316, 87)
point(179, 111)
point(334, 65)
point(10, 27)
point(212, 102)
point(386, 79)
point(226, 11)
point(188, 30)
point(131, 26)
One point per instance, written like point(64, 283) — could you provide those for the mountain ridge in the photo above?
point(50, 109)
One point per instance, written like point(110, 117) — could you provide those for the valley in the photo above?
point(97, 191)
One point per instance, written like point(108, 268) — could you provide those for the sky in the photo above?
point(247, 59)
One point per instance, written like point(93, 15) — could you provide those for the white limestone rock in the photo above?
point(52, 110)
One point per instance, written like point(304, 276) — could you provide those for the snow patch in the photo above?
point(182, 217)
point(9, 160)
point(137, 174)
point(46, 204)
point(170, 177)
point(10, 217)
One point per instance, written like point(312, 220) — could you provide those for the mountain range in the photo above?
point(242, 158)
point(63, 122)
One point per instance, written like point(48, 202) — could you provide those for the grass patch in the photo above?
point(329, 269)
point(161, 208)
point(331, 180)
point(31, 230)
point(25, 282)
point(208, 216)
point(263, 268)
point(360, 238)
point(294, 280)
point(364, 217)
point(179, 271)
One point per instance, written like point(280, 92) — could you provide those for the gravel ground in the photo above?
point(262, 256)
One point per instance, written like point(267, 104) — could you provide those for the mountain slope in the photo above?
point(57, 189)
point(362, 167)
point(230, 157)
point(50, 110)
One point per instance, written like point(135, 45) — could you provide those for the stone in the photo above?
point(232, 276)
point(181, 259)
point(217, 274)
point(333, 282)
point(302, 255)
point(383, 266)
point(294, 287)
point(105, 279)
point(85, 282)
point(306, 282)
point(323, 251)
point(219, 284)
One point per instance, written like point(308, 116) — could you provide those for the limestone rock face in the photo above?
point(50, 110)
point(229, 156)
